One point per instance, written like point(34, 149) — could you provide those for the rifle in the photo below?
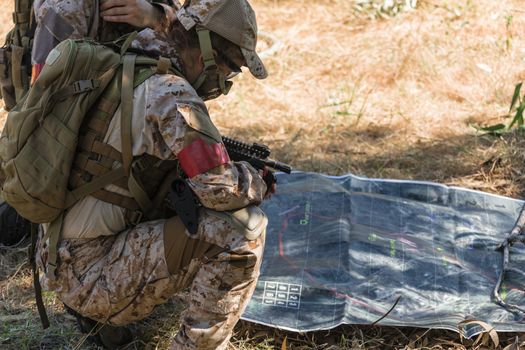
point(184, 202)
point(256, 154)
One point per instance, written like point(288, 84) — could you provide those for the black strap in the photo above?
point(36, 279)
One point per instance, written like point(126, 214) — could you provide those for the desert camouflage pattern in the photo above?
point(117, 275)
point(242, 30)
point(196, 11)
point(162, 106)
point(156, 44)
point(58, 20)
point(120, 279)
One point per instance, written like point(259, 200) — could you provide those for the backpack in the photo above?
point(40, 138)
point(38, 142)
point(15, 55)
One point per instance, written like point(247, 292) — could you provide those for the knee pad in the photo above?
point(251, 220)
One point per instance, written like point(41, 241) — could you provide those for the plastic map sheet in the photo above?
point(341, 250)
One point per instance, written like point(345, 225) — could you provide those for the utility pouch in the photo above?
point(18, 70)
point(7, 89)
point(15, 55)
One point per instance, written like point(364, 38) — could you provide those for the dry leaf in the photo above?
point(283, 346)
point(513, 346)
point(488, 329)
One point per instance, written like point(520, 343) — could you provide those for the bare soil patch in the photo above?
point(391, 98)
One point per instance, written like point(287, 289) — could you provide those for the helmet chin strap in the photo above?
point(210, 83)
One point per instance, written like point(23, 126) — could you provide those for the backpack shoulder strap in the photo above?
point(126, 104)
point(137, 191)
point(129, 80)
point(128, 83)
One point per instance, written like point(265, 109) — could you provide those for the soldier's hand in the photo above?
point(270, 180)
point(138, 13)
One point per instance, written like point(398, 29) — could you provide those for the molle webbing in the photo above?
point(95, 157)
point(149, 177)
point(21, 46)
point(15, 60)
point(22, 14)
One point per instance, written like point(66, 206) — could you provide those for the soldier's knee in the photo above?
point(250, 221)
point(235, 236)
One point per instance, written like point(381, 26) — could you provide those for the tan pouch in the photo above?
point(180, 249)
point(17, 54)
point(7, 90)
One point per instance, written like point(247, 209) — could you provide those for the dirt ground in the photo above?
point(380, 97)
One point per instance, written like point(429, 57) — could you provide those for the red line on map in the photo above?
point(281, 233)
point(313, 280)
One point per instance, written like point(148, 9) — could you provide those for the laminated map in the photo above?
point(344, 250)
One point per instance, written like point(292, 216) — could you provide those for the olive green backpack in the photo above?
point(39, 140)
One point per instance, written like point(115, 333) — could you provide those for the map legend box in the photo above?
point(282, 294)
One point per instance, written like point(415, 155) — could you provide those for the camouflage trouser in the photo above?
point(120, 279)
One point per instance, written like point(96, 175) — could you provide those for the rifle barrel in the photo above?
point(285, 168)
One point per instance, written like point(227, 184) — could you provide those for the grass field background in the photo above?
point(350, 90)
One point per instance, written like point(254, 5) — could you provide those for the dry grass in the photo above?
point(383, 98)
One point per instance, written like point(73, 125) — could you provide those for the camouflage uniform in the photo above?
point(58, 20)
point(116, 275)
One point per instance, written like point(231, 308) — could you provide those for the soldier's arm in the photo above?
point(58, 20)
point(138, 13)
point(219, 184)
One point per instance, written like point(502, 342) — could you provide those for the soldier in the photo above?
point(114, 273)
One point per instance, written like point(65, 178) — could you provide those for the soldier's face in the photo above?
point(216, 83)
point(230, 61)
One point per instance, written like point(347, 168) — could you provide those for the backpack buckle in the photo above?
point(134, 217)
point(20, 17)
point(85, 85)
point(139, 165)
point(163, 65)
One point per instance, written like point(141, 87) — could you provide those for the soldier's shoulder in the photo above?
point(172, 85)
